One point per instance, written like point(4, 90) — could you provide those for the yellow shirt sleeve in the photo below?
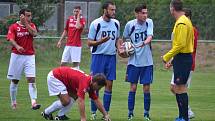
point(179, 41)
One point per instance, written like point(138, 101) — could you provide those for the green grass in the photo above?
point(163, 105)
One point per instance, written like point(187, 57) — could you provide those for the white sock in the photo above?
point(32, 92)
point(13, 92)
point(53, 107)
point(67, 108)
point(189, 108)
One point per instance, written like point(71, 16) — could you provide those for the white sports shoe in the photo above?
point(190, 114)
point(13, 106)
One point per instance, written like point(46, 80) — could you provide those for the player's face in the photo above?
point(76, 11)
point(142, 15)
point(110, 11)
point(95, 86)
point(171, 10)
point(28, 16)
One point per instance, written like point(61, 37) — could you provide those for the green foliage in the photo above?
point(6, 22)
point(203, 16)
point(41, 9)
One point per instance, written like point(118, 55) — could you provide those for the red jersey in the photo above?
point(74, 34)
point(21, 35)
point(75, 81)
point(196, 34)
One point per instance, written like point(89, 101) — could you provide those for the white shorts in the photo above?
point(188, 81)
point(71, 54)
point(55, 86)
point(20, 63)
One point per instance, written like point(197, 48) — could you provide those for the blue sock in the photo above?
point(93, 105)
point(107, 100)
point(131, 102)
point(147, 102)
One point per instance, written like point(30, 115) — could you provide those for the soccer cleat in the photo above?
point(36, 106)
point(13, 106)
point(147, 118)
point(93, 117)
point(191, 114)
point(63, 117)
point(130, 116)
point(180, 119)
point(47, 116)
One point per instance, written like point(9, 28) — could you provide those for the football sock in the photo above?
point(147, 102)
point(93, 105)
point(184, 98)
point(53, 107)
point(67, 108)
point(131, 102)
point(77, 67)
point(32, 92)
point(13, 92)
point(178, 99)
point(107, 100)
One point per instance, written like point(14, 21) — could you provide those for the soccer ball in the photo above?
point(128, 48)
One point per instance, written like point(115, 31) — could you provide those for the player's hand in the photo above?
point(121, 52)
point(104, 39)
point(59, 44)
point(20, 49)
point(23, 19)
point(168, 65)
point(107, 118)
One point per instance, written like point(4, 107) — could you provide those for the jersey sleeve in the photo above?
point(126, 31)
point(67, 25)
point(81, 92)
point(83, 22)
point(92, 32)
point(92, 95)
point(11, 33)
point(150, 28)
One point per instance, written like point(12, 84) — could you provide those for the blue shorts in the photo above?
point(105, 64)
point(182, 64)
point(144, 74)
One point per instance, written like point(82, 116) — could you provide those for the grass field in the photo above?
point(163, 105)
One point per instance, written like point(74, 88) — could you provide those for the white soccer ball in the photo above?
point(128, 48)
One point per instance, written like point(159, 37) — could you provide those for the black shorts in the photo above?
point(182, 64)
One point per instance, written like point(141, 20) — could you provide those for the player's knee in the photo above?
point(146, 88)
point(66, 101)
point(15, 81)
point(31, 79)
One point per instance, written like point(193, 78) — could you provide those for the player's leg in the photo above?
point(110, 73)
point(75, 54)
point(30, 73)
point(95, 68)
point(190, 112)
point(182, 66)
point(63, 111)
point(56, 88)
point(132, 76)
point(14, 75)
point(146, 78)
point(172, 85)
point(66, 56)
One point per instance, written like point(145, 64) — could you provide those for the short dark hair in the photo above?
point(100, 79)
point(140, 7)
point(187, 12)
point(106, 4)
point(22, 11)
point(177, 5)
point(77, 7)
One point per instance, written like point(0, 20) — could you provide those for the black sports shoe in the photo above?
point(35, 107)
point(63, 117)
point(47, 116)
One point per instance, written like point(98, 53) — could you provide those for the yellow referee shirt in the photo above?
point(182, 38)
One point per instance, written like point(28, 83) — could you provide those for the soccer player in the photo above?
point(20, 35)
point(103, 39)
point(69, 84)
point(74, 27)
point(140, 64)
point(188, 13)
point(181, 52)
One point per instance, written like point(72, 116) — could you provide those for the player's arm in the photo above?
point(64, 34)
point(81, 106)
point(78, 24)
point(32, 30)
point(18, 47)
point(179, 42)
point(91, 42)
point(102, 109)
